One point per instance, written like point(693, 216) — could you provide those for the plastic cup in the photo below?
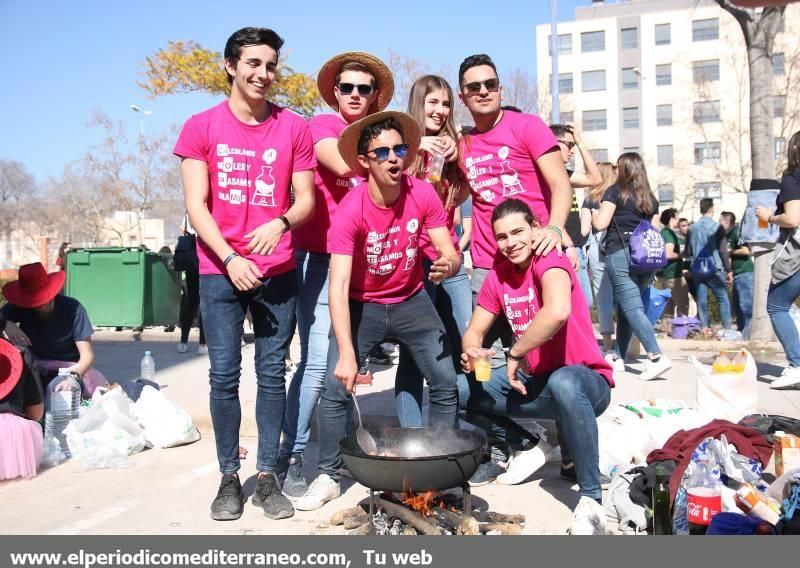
point(762, 224)
point(435, 167)
point(483, 368)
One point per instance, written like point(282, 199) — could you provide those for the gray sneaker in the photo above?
point(294, 485)
point(229, 502)
point(268, 496)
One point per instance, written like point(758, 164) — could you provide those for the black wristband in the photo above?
point(229, 258)
point(516, 358)
point(285, 223)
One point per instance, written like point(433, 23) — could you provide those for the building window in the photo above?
point(629, 38)
point(599, 154)
point(708, 189)
point(664, 74)
point(593, 41)
point(594, 120)
point(780, 148)
point(567, 116)
point(707, 153)
point(664, 115)
point(703, 71)
point(666, 193)
point(706, 111)
point(778, 65)
point(630, 117)
point(630, 79)
point(594, 80)
point(705, 30)
point(564, 44)
point(631, 149)
point(565, 83)
point(665, 155)
point(663, 34)
point(778, 106)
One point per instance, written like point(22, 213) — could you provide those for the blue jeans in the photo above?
point(743, 298)
point(499, 335)
point(629, 290)
point(453, 301)
point(720, 289)
point(601, 287)
point(583, 275)
point(414, 324)
point(574, 396)
point(272, 306)
point(780, 299)
point(314, 326)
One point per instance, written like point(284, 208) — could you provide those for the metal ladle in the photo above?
point(364, 438)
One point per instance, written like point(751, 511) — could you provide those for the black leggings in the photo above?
point(190, 305)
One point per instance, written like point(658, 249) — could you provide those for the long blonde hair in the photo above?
point(421, 88)
point(608, 178)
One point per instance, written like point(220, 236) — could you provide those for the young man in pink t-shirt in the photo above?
point(354, 84)
point(240, 162)
point(555, 369)
point(376, 283)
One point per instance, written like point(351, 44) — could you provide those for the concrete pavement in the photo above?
point(169, 491)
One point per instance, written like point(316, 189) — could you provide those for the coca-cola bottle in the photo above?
point(703, 498)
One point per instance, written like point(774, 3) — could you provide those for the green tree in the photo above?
point(185, 67)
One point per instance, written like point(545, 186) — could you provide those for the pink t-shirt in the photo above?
point(518, 295)
point(384, 241)
point(425, 244)
point(250, 171)
point(329, 190)
point(499, 164)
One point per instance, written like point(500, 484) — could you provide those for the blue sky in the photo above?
point(66, 60)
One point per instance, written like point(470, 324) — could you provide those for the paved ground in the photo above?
point(169, 491)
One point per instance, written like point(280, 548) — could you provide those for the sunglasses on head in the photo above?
point(492, 85)
point(382, 153)
point(363, 90)
point(568, 144)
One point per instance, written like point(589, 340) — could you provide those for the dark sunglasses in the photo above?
point(492, 85)
point(569, 145)
point(363, 90)
point(382, 153)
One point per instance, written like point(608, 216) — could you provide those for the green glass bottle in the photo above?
point(662, 520)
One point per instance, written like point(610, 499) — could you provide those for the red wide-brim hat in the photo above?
point(35, 287)
point(10, 367)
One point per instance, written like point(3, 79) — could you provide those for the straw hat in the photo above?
point(348, 140)
point(35, 286)
point(10, 367)
point(384, 83)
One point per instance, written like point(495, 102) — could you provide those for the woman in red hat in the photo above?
point(21, 406)
point(55, 327)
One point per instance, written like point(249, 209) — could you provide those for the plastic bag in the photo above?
point(165, 424)
point(107, 433)
point(730, 396)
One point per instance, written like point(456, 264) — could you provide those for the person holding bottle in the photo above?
point(626, 204)
point(785, 286)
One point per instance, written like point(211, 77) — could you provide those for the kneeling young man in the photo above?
point(376, 282)
point(555, 369)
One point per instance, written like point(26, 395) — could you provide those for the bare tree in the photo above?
point(17, 190)
point(520, 90)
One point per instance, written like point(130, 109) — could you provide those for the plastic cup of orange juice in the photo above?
point(435, 167)
point(483, 368)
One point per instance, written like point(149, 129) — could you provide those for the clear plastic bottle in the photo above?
point(740, 362)
point(62, 406)
point(722, 364)
point(148, 367)
point(703, 498)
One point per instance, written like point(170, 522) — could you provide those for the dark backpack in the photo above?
point(703, 267)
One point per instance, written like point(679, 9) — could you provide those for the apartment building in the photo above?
point(669, 79)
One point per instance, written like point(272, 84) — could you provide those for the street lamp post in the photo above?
point(142, 113)
point(555, 111)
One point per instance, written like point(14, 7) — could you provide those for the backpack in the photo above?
point(703, 267)
point(647, 248)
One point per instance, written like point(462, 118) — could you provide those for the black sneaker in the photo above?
point(487, 472)
point(378, 356)
point(568, 472)
point(229, 502)
point(294, 484)
point(269, 497)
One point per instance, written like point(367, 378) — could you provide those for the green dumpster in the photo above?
point(124, 287)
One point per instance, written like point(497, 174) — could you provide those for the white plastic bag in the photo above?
point(165, 424)
point(729, 396)
point(107, 433)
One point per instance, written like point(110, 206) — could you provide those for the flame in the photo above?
point(421, 502)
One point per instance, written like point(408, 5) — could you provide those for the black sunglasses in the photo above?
point(492, 85)
point(569, 145)
point(363, 90)
point(382, 153)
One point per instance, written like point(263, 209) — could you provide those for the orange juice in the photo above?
point(483, 368)
point(762, 224)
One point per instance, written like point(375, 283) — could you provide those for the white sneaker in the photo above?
point(322, 490)
point(655, 369)
point(202, 350)
point(524, 463)
point(182, 348)
point(589, 518)
point(790, 377)
point(617, 363)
